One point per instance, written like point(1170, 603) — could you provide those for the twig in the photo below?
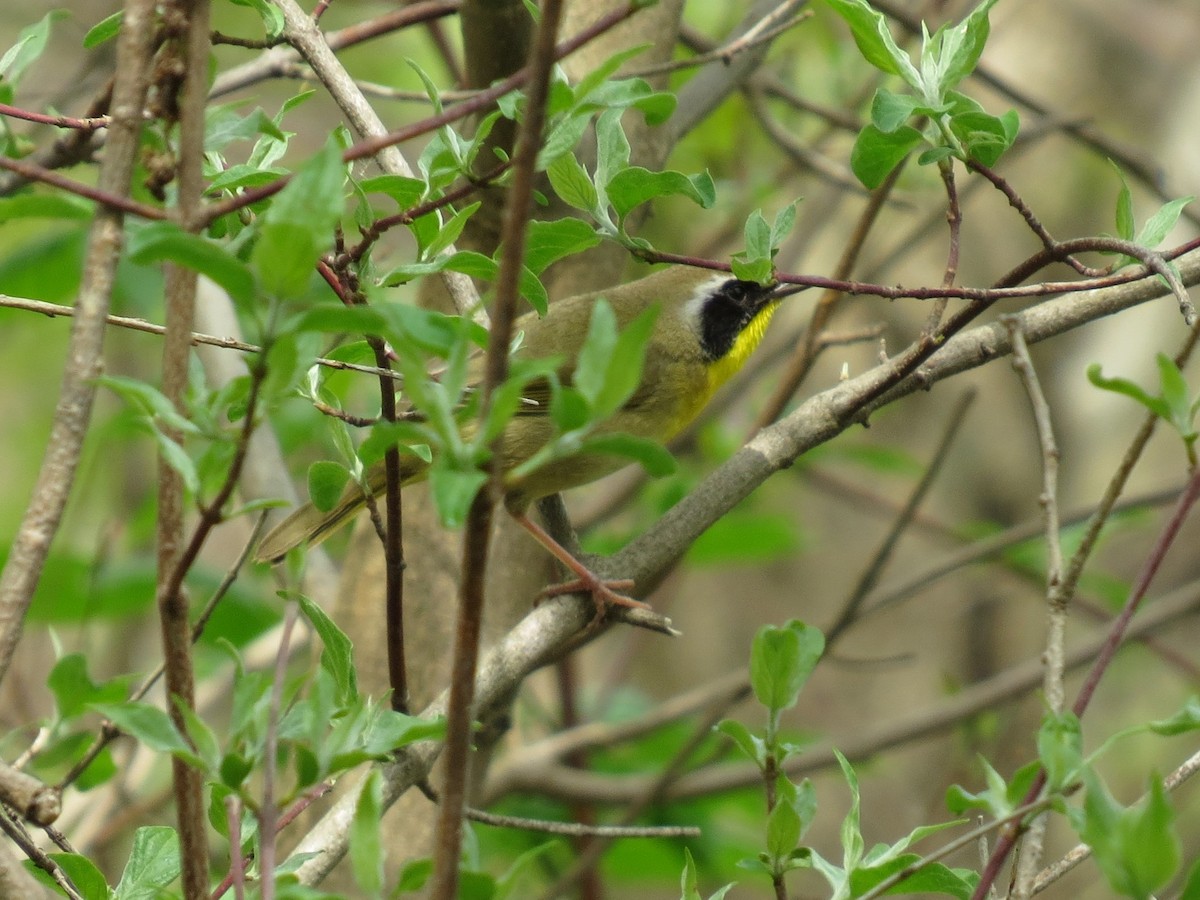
point(870, 576)
point(769, 27)
point(53, 310)
point(477, 536)
point(39, 803)
point(268, 829)
point(1033, 846)
point(19, 836)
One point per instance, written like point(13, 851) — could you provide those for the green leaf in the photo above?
point(852, 839)
point(366, 846)
point(148, 724)
point(1060, 749)
point(450, 232)
point(326, 481)
point(875, 41)
point(612, 147)
point(153, 864)
point(453, 492)
point(750, 745)
point(889, 111)
point(166, 241)
point(88, 879)
point(1187, 719)
point(960, 46)
point(337, 657)
point(652, 456)
point(549, 242)
point(781, 659)
point(298, 226)
point(404, 190)
point(757, 234)
point(597, 352)
point(1154, 232)
point(633, 186)
point(572, 183)
point(1124, 214)
point(30, 45)
point(984, 137)
point(931, 878)
point(106, 29)
point(876, 153)
point(1124, 386)
point(783, 831)
point(623, 374)
point(1176, 395)
point(1136, 847)
point(73, 690)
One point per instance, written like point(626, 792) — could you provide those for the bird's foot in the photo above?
point(604, 594)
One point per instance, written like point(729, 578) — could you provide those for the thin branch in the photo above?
point(54, 310)
point(114, 201)
point(1054, 655)
point(870, 576)
point(477, 536)
point(184, 51)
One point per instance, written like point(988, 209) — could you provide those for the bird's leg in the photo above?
point(604, 593)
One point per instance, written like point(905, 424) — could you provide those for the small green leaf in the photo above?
point(889, 111)
point(103, 30)
point(634, 185)
point(875, 41)
point(337, 657)
point(961, 45)
point(326, 481)
point(549, 242)
point(652, 456)
point(453, 492)
point(366, 846)
point(1136, 848)
point(153, 864)
point(1155, 231)
point(1060, 749)
point(783, 831)
point(88, 880)
point(1124, 386)
point(166, 241)
point(30, 45)
point(1124, 214)
point(148, 724)
point(598, 351)
point(572, 183)
point(1187, 719)
point(624, 371)
point(781, 659)
point(750, 745)
point(852, 839)
point(876, 153)
point(298, 226)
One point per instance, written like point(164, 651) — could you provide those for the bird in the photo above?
point(707, 325)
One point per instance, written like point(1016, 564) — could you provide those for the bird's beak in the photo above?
point(784, 289)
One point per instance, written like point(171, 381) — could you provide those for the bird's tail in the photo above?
point(309, 525)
